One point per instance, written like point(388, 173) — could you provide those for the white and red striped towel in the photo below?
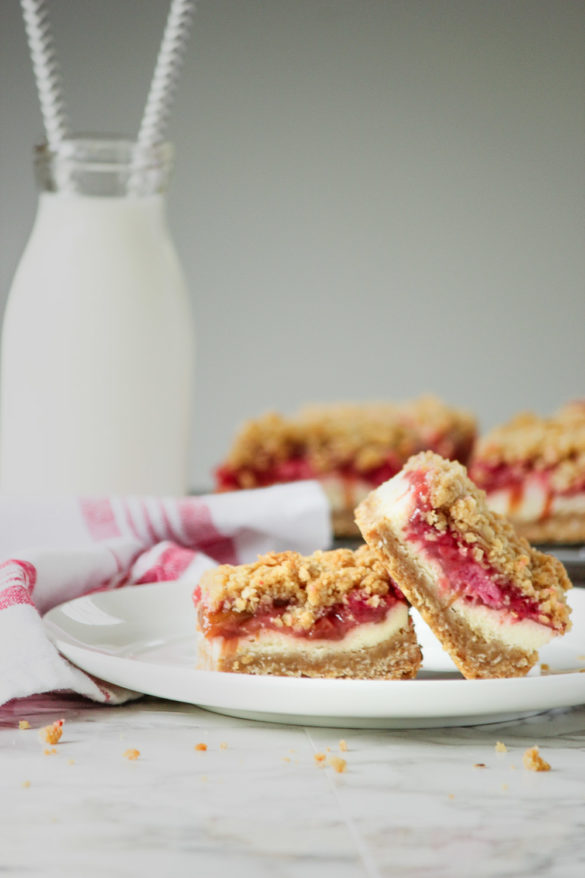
point(53, 550)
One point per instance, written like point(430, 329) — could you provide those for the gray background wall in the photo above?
point(373, 198)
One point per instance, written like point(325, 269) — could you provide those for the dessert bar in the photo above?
point(349, 448)
point(533, 470)
point(329, 614)
point(488, 595)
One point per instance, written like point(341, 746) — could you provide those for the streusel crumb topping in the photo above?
point(556, 443)
point(305, 584)
point(458, 506)
point(362, 435)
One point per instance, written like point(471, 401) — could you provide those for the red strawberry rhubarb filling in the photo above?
point(298, 468)
point(293, 469)
point(463, 577)
point(513, 477)
point(333, 624)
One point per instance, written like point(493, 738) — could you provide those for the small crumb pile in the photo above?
point(336, 762)
point(131, 754)
point(51, 734)
point(533, 761)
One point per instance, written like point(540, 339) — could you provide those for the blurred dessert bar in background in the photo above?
point(533, 470)
point(349, 448)
point(329, 614)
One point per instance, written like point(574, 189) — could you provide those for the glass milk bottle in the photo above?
point(97, 344)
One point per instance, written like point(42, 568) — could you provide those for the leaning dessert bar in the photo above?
point(533, 471)
point(330, 614)
point(491, 599)
point(349, 448)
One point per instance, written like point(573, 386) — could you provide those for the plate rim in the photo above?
point(239, 692)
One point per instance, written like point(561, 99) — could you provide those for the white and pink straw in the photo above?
point(162, 88)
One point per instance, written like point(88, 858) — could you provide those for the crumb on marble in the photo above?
point(26, 784)
point(533, 761)
point(51, 734)
point(132, 753)
point(505, 787)
point(451, 796)
point(50, 751)
point(71, 762)
point(479, 765)
point(581, 658)
point(223, 745)
point(320, 758)
point(286, 758)
point(501, 747)
point(23, 724)
point(337, 763)
point(544, 668)
point(200, 746)
point(343, 746)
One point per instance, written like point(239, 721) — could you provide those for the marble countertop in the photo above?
point(257, 802)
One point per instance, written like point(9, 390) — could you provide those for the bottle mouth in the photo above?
point(104, 166)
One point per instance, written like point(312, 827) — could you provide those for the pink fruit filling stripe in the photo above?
point(496, 477)
point(464, 577)
point(335, 623)
point(300, 467)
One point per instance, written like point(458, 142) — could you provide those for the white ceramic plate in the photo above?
point(143, 638)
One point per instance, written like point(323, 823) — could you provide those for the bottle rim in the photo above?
point(105, 153)
point(103, 165)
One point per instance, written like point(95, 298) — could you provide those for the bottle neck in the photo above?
point(103, 167)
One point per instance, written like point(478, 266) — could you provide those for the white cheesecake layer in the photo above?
point(497, 625)
point(395, 500)
point(270, 640)
point(534, 502)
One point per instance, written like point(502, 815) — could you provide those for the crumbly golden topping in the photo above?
point(305, 584)
point(534, 442)
point(363, 435)
point(459, 507)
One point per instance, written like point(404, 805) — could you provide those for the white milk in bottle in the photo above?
point(97, 348)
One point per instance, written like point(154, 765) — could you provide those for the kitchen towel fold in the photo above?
point(53, 550)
